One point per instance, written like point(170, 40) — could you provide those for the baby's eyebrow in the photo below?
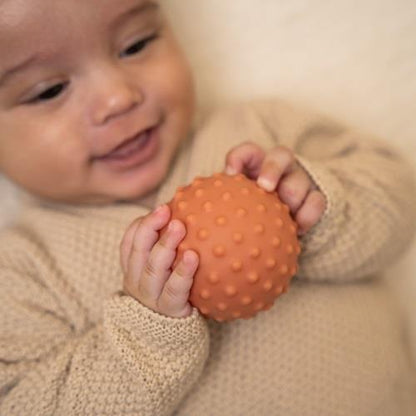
point(141, 8)
point(21, 66)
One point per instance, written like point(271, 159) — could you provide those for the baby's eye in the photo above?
point(50, 93)
point(138, 46)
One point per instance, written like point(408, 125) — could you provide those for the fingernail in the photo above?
point(265, 183)
point(172, 226)
point(188, 257)
point(229, 170)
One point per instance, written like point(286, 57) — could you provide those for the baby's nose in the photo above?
point(113, 93)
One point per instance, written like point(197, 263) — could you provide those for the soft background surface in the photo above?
point(354, 60)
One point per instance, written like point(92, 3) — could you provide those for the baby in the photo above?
point(97, 125)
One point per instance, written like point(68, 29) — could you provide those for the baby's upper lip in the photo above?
point(121, 144)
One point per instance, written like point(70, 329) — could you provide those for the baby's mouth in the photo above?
point(133, 152)
point(128, 147)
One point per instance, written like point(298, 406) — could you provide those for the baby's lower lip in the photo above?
point(135, 152)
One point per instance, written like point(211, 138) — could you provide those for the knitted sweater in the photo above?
point(72, 344)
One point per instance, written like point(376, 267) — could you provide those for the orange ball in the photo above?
point(246, 241)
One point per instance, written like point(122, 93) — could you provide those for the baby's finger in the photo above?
point(311, 211)
point(279, 161)
point(146, 236)
point(293, 189)
point(245, 158)
point(126, 243)
point(174, 298)
point(159, 263)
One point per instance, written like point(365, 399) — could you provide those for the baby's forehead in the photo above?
point(25, 28)
point(27, 19)
point(27, 15)
point(56, 24)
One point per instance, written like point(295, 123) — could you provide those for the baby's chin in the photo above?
point(139, 197)
point(142, 194)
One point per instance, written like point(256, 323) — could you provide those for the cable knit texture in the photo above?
point(72, 344)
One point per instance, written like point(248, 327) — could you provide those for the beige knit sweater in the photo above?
point(71, 344)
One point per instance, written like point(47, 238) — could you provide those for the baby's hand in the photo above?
point(147, 261)
point(278, 170)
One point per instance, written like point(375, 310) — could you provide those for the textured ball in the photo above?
point(246, 241)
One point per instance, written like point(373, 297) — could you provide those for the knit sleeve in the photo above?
point(53, 361)
point(370, 216)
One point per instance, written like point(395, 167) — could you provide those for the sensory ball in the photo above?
point(246, 241)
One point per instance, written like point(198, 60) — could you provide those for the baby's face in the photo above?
point(95, 97)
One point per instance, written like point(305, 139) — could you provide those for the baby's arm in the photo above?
point(53, 360)
point(370, 214)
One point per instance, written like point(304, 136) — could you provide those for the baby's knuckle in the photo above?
point(289, 192)
point(286, 188)
point(244, 146)
point(150, 268)
point(136, 247)
point(163, 243)
point(171, 292)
